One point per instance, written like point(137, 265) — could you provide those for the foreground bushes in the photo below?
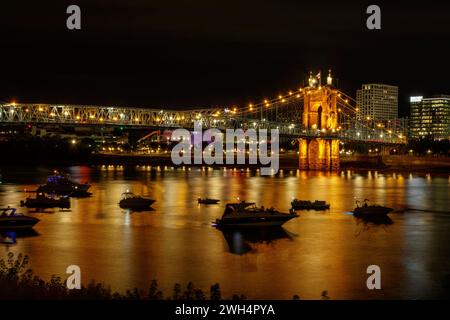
point(17, 281)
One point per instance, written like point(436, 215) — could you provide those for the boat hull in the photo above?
point(80, 194)
point(375, 211)
point(208, 201)
point(13, 223)
point(251, 222)
point(141, 204)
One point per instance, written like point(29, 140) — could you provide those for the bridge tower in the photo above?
point(319, 116)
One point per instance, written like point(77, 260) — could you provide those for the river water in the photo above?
point(176, 243)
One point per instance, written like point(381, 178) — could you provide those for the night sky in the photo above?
point(202, 53)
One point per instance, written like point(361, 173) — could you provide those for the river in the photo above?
point(176, 243)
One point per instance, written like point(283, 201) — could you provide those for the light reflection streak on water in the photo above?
point(176, 242)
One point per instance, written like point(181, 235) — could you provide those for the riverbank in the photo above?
point(288, 161)
point(396, 163)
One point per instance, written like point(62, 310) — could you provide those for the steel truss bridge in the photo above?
point(283, 113)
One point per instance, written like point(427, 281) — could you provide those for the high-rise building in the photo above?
point(377, 102)
point(430, 117)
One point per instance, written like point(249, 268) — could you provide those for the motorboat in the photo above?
point(62, 184)
point(247, 214)
point(131, 201)
point(43, 201)
point(309, 205)
point(208, 201)
point(11, 220)
point(367, 210)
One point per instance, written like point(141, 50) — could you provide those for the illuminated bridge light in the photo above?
point(251, 114)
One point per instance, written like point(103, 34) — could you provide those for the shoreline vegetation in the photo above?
point(17, 282)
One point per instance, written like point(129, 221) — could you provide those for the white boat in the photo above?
point(131, 201)
point(370, 211)
point(43, 201)
point(309, 205)
point(207, 201)
point(10, 220)
point(62, 184)
point(245, 214)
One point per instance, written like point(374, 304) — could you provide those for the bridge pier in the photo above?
point(386, 150)
point(319, 154)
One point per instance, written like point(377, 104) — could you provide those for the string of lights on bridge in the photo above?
point(344, 103)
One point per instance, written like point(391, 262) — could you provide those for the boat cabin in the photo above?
point(129, 195)
point(8, 212)
point(231, 208)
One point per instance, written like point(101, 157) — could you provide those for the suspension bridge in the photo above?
point(313, 113)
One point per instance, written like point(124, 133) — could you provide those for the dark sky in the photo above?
point(200, 53)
